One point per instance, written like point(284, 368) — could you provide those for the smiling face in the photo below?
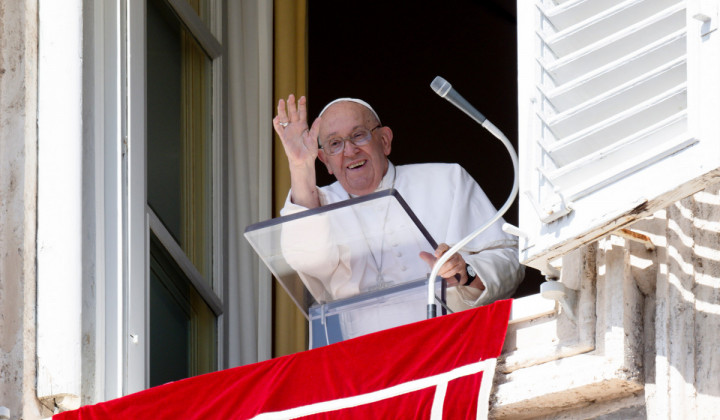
point(359, 169)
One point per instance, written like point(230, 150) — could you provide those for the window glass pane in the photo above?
point(169, 321)
point(164, 154)
point(183, 338)
point(179, 134)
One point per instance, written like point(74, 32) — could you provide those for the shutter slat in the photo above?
point(602, 25)
point(569, 13)
point(606, 77)
point(632, 122)
point(630, 163)
point(613, 155)
point(626, 95)
point(621, 44)
point(607, 80)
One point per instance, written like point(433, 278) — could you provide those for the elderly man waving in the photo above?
point(349, 138)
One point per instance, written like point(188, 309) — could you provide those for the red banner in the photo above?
point(439, 368)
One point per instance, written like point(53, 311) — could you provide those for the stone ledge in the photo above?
point(563, 384)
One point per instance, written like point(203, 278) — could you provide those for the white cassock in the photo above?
point(450, 205)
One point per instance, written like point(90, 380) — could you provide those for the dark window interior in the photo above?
point(388, 52)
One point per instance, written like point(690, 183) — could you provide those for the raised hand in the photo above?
point(299, 141)
point(301, 148)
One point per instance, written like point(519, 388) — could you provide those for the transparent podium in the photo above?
point(352, 267)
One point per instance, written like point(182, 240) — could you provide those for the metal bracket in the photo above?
point(636, 237)
point(554, 290)
point(709, 23)
point(553, 211)
point(513, 230)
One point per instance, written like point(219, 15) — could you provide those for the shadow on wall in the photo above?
point(680, 282)
point(691, 292)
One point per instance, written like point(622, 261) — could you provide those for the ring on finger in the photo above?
point(284, 124)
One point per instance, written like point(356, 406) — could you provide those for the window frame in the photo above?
point(139, 220)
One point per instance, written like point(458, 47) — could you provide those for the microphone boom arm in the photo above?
point(442, 88)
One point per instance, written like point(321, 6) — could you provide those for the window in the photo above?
point(124, 241)
point(614, 98)
point(179, 171)
point(183, 327)
point(174, 170)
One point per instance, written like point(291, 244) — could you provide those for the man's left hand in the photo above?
point(453, 271)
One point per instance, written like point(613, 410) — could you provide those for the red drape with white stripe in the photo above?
point(439, 368)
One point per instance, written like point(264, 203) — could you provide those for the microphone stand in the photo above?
point(442, 88)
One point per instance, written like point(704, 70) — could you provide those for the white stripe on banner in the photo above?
point(438, 400)
point(485, 387)
point(440, 381)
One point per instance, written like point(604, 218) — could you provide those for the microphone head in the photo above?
point(440, 86)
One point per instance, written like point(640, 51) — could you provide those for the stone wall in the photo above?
point(653, 308)
point(683, 382)
point(18, 169)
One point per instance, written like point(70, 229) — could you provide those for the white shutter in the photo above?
point(618, 114)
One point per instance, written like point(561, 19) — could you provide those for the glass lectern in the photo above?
point(351, 267)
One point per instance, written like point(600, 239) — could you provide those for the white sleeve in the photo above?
point(323, 263)
point(292, 208)
point(493, 254)
point(499, 270)
point(308, 247)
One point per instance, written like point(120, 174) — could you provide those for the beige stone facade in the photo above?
point(18, 188)
point(643, 342)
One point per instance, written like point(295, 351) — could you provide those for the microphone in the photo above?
point(443, 88)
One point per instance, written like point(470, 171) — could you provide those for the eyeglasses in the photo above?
point(359, 137)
